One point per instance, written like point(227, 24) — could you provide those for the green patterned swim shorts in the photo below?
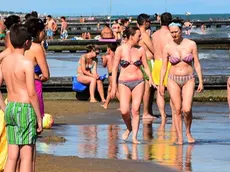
point(21, 123)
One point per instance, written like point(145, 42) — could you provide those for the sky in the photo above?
point(118, 7)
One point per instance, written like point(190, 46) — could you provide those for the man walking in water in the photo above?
point(146, 43)
point(160, 39)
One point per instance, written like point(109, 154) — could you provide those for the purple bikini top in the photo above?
point(186, 59)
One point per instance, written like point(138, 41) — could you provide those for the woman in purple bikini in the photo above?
point(36, 53)
point(131, 57)
point(182, 54)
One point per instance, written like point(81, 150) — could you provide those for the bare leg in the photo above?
point(161, 107)
point(26, 156)
point(125, 98)
point(13, 155)
point(175, 94)
point(105, 105)
point(92, 85)
point(101, 90)
point(187, 96)
point(137, 95)
point(173, 116)
point(228, 89)
point(146, 102)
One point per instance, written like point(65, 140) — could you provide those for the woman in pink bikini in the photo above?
point(131, 57)
point(182, 54)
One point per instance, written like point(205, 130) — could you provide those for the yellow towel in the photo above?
point(3, 141)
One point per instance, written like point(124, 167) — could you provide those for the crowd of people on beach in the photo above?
point(142, 64)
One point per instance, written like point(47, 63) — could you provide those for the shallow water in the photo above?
point(210, 153)
point(213, 62)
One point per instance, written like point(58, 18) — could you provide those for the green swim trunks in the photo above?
point(21, 123)
point(143, 70)
point(2, 35)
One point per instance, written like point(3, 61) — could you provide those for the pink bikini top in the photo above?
point(186, 59)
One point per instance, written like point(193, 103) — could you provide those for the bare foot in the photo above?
point(125, 135)
point(105, 106)
point(148, 116)
point(103, 101)
point(190, 138)
point(93, 101)
point(135, 141)
point(180, 142)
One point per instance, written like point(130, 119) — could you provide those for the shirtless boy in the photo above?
point(108, 62)
point(22, 114)
point(64, 32)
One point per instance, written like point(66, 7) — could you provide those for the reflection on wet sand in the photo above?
point(163, 151)
point(89, 134)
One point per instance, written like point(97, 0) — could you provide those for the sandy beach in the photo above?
point(84, 113)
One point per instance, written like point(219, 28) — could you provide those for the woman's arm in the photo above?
point(41, 61)
point(197, 66)
point(85, 72)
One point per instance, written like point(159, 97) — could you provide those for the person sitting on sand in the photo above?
point(130, 82)
point(87, 73)
point(86, 35)
point(108, 62)
point(107, 32)
point(182, 54)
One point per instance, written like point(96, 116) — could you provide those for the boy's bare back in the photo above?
point(17, 72)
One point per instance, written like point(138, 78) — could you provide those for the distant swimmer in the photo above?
point(187, 26)
point(160, 39)
point(203, 28)
point(107, 32)
point(64, 25)
point(183, 56)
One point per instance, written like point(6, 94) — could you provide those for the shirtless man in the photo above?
point(64, 32)
point(51, 27)
point(107, 32)
point(108, 62)
point(146, 43)
point(160, 39)
point(188, 27)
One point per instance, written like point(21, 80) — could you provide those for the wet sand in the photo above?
point(84, 113)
